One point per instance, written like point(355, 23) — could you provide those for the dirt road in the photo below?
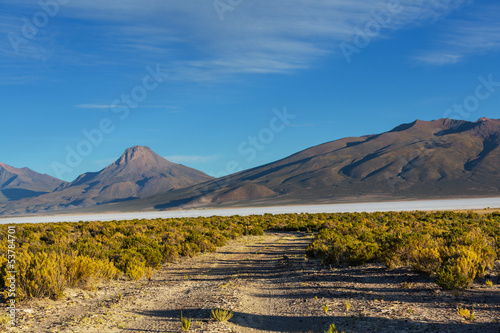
point(271, 287)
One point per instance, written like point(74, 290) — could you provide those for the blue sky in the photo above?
point(231, 84)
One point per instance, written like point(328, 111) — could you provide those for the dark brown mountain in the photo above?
point(22, 183)
point(138, 173)
point(422, 159)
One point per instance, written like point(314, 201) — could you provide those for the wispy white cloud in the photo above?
point(19, 79)
point(257, 37)
point(476, 34)
point(438, 58)
point(107, 106)
point(192, 158)
point(95, 106)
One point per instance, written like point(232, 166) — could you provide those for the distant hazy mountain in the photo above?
point(138, 173)
point(423, 159)
point(22, 183)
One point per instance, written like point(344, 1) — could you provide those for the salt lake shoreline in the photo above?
point(421, 205)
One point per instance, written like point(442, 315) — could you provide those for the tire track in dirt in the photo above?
point(271, 287)
point(240, 276)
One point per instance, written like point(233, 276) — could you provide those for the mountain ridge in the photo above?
point(20, 183)
point(420, 159)
point(138, 172)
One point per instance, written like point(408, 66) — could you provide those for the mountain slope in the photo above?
point(423, 159)
point(138, 173)
point(22, 183)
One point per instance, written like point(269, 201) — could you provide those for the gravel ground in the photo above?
point(271, 287)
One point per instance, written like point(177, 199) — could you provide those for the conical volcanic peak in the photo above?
point(138, 162)
point(422, 159)
point(142, 153)
point(139, 172)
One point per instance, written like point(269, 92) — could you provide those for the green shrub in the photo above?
point(189, 249)
point(40, 275)
point(147, 247)
point(221, 315)
point(461, 268)
point(3, 269)
point(426, 260)
point(255, 231)
point(82, 269)
point(332, 329)
point(466, 314)
point(131, 263)
point(397, 246)
point(206, 246)
point(186, 323)
point(455, 248)
point(169, 253)
point(361, 252)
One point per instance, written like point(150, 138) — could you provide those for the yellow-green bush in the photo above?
point(454, 247)
point(131, 263)
point(147, 247)
point(426, 260)
point(3, 269)
point(360, 252)
point(189, 249)
point(170, 253)
point(462, 266)
point(47, 274)
point(40, 274)
point(82, 269)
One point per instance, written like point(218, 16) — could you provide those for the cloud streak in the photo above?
point(95, 106)
point(180, 159)
point(258, 37)
point(110, 106)
point(476, 34)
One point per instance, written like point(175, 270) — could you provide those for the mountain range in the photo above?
point(422, 159)
point(138, 173)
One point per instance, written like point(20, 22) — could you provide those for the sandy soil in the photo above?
point(271, 287)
